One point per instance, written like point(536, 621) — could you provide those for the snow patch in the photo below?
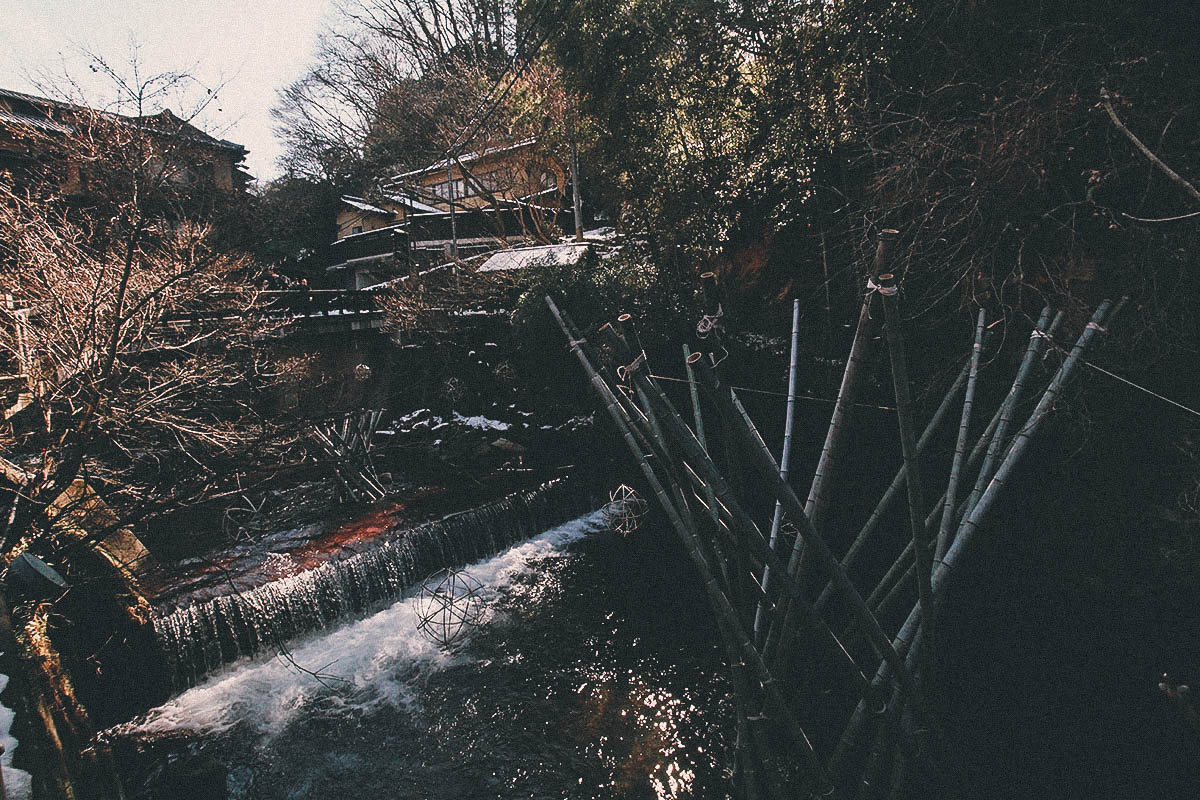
point(481, 423)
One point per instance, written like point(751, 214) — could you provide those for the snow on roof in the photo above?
point(44, 123)
point(363, 205)
point(466, 158)
point(559, 255)
point(411, 202)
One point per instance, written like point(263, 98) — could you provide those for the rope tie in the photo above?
point(1093, 326)
point(886, 291)
point(623, 372)
point(709, 322)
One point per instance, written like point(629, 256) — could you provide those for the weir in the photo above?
point(200, 638)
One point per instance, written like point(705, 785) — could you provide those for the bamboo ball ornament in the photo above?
point(625, 509)
point(449, 604)
point(504, 373)
point(453, 389)
point(362, 372)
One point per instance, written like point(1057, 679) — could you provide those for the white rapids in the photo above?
point(364, 663)
point(17, 782)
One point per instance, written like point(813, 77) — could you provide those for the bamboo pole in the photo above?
point(882, 750)
point(785, 457)
point(1037, 341)
point(727, 617)
point(916, 502)
point(711, 325)
point(893, 490)
point(910, 633)
point(848, 391)
point(814, 506)
point(1025, 435)
point(699, 420)
point(762, 463)
point(960, 447)
point(750, 534)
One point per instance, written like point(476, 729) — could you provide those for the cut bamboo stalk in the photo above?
point(864, 333)
point(750, 534)
point(1024, 436)
point(1037, 341)
point(762, 463)
point(908, 446)
point(784, 458)
point(893, 490)
point(910, 633)
point(814, 507)
point(960, 447)
point(879, 760)
point(727, 617)
point(694, 394)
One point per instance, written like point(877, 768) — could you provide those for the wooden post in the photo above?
point(576, 197)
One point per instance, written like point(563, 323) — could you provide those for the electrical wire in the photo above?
point(780, 394)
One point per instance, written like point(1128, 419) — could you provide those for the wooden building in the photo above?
point(36, 133)
point(502, 197)
point(512, 173)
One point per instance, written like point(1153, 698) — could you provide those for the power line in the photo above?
point(810, 398)
point(1130, 383)
point(1150, 392)
point(462, 141)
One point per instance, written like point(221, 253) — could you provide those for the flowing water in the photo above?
point(299, 592)
point(595, 673)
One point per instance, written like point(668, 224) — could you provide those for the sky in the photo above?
point(253, 47)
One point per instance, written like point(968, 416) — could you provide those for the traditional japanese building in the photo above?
point(36, 135)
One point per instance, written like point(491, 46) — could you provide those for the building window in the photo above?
point(442, 190)
point(356, 229)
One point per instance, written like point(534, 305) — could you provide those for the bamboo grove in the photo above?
point(833, 677)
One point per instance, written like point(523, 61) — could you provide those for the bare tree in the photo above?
point(122, 311)
point(401, 83)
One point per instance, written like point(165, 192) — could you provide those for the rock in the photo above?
point(509, 446)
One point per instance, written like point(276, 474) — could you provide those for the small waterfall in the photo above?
point(202, 637)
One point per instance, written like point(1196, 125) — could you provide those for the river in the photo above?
point(595, 673)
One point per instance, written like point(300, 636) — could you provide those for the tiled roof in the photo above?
point(47, 124)
point(164, 122)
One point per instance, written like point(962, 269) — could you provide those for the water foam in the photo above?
point(373, 661)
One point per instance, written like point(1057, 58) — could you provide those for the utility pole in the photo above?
point(450, 199)
point(576, 199)
point(453, 225)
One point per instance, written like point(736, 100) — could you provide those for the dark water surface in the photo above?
point(596, 675)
